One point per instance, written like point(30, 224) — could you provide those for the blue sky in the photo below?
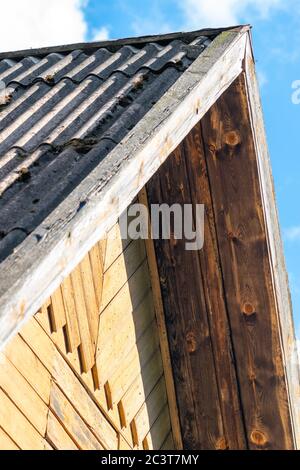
point(276, 33)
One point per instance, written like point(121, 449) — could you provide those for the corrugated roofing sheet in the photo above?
point(61, 113)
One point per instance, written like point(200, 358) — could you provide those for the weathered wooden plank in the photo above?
point(198, 181)
point(17, 426)
point(30, 366)
point(63, 375)
point(23, 395)
point(162, 329)
point(6, 443)
point(187, 318)
point(72, 421)
point(57, 435)
point(245, 259)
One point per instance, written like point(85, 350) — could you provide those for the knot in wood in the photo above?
point(192, 343)
point(221, 444)
point(258, 438)
point(248, 309)
point(232, 138)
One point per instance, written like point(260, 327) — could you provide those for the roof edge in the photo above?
point(115, 44)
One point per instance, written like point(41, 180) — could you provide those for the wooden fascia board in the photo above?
point(30, 275)
point(277, 261)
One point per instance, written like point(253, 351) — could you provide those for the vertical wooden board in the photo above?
point(213, 290)
point(57, 435)
point(86, 344)
point(58, 310)
point(63, 375)
point(30, 366)
point(23, 395)
point(186, 318)
point(121, 270)
point(245, 259)
point(71, 421)
point(92, 307)
point(97, 269)
point(17, 426)
point(6, 443)
point(71, 316)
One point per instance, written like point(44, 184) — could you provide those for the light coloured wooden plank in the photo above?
point(117, 336)
point(71, 316)
point(162, 329)
point(6, 443)
point(63, 375)
point(17, 426)
point(71, 420)
point(121, 270)
point(159, 431)
point(97, 269)
point(86, 345)
point(92, 308)
point(57, 309)
point(57, 435)
point(132, 365)
point(30, 366)
point(23, 395)
point(150, 410)
point(142, 386)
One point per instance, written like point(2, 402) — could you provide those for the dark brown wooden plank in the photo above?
point(245, 260)
point(234, 431)
point(186, 319)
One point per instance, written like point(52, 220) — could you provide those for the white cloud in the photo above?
point(101, 35)
point(36, 23)
point(212, 13)
point(292, 233)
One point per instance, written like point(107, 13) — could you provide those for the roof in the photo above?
point(82, 130)
point(65, 109)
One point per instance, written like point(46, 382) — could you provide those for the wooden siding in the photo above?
point(220, 303)
point(86, 372)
